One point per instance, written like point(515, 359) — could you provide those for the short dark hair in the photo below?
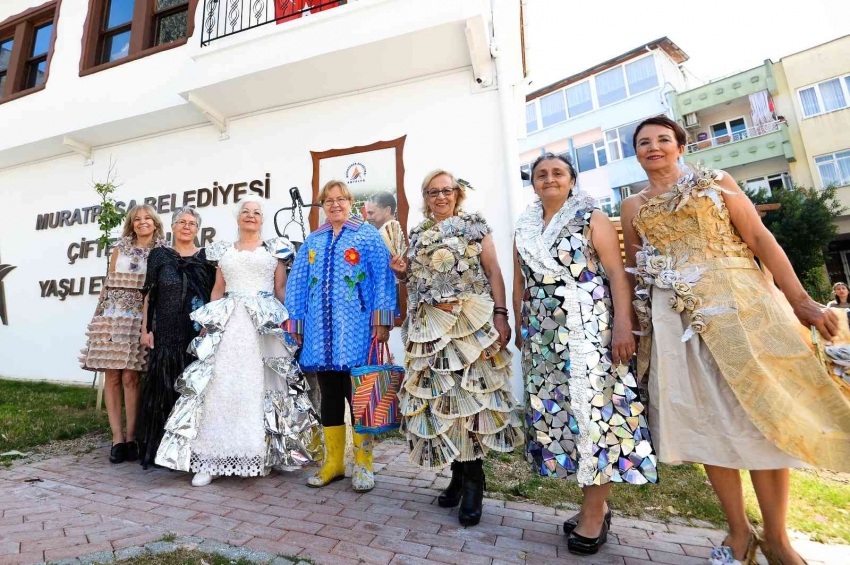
point(384, 199)
point(665, 122)
point(548, 157)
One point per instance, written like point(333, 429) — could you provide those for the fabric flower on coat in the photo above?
point(311, 256)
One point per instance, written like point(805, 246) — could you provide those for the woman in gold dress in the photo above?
point(732, 384)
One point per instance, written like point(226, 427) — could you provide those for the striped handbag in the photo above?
point(374, 392)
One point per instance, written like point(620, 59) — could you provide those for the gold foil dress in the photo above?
point(727, 363)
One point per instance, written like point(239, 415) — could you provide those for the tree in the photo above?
point(803, 226)
point(110, 217)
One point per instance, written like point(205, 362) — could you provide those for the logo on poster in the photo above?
point(356, 172)
point(4, 270)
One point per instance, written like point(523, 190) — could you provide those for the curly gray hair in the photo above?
point(185, 210)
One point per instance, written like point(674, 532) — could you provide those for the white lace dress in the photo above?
point(244, 406)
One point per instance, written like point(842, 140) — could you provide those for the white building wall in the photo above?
point(44, 335)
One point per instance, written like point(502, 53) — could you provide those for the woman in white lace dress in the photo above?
point(244, 406)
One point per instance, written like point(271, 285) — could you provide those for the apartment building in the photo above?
point(816, 83)
point(199, 102)
point(591, 117)
point(733, 124)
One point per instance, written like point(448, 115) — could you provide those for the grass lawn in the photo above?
point(819, 500)
point(33, 414)
point(194, 557)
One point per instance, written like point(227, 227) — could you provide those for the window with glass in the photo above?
point(5, 58)
point(530, 117)
point(619, 142)
point(36, 69)
point(129, 29)
point(610, 86)
point(767, 184)
point(579, 99)
point(729, 131)
point(26, 43)
point(641, 75)
point(834, 169)
point(591, 156)
point(552, 109)
point(526, 170)
point(827, 96)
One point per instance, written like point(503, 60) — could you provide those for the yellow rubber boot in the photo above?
point(362, 479)
point(333, 469)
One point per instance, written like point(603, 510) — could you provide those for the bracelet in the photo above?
point(505, 314)
point(500, 309)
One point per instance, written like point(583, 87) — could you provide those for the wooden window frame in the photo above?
point(21, 29)
point(142, 33)
point(402, 209)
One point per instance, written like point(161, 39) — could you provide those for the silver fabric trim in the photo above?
point(535, 244)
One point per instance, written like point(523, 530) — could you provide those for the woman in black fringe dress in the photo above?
point(179, 280)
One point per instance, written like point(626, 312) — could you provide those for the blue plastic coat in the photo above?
point(337, 290)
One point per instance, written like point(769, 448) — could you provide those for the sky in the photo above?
point(721, 37)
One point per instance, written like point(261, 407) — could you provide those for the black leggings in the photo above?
point(336, 389)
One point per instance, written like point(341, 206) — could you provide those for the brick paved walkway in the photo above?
point(63, 508)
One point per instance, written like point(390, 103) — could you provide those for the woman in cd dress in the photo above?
point(179, 280)
point(583, 414)
point(114, 332)
point(456, 400)
point(732, 384)
point(243, 407)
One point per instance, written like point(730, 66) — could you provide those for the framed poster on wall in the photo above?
point(375, 175)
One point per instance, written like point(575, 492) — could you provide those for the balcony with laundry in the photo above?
point(732, 124)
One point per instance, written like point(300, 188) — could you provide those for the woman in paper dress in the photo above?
point(456, 400)
point(732, 384)
point(243, 407)
point(116, 328)
point(583, 413)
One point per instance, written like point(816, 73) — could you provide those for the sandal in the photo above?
point(723, 555)
point(773, 560)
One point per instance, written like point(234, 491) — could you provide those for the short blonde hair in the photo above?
point(343, 188)
point(158, 231)
point(461, 190)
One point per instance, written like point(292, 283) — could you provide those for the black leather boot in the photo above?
point(472, 498)
point(450, 497)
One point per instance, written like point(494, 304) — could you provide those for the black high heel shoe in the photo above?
point(450, 497)
point(118, 453)
point(472, 499)
point(571, 523)
point(580, 545)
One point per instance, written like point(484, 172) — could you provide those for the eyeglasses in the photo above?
point(331, 201)
point(437, 192)
point(251, 213)
point(185, 224)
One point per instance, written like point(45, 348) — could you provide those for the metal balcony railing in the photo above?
point(223, 18)
point(734, 137)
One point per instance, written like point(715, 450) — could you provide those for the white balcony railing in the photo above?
point(734, 137)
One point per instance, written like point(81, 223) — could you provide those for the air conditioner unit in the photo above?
point(691, 120)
